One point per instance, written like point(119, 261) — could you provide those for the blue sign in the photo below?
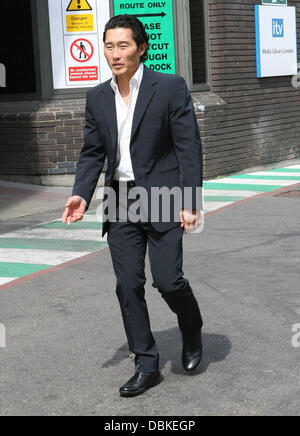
point(278, 28)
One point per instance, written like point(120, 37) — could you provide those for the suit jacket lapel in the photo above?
point(146, 93)
point(110, 113)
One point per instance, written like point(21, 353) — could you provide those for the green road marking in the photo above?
point(8, 269)
point(222, 199)
point(74, 226)
point(233, 187)
point(285, 170)
point(51, 244)
point(246, 176)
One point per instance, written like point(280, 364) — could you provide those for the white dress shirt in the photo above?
point(124, 171)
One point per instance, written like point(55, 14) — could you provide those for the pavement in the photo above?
point(66, 351)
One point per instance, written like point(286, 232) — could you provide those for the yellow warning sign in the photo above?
point(79, 5)
point(80, 23)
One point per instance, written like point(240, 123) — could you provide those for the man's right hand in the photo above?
point(74, 210)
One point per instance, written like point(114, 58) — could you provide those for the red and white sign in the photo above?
point(82, 60)
point(82, 50)
point(81, 74)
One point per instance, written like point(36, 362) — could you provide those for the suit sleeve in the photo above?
point(187, 143)
point(91, 159)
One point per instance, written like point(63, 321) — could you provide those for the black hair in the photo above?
point(140, 35)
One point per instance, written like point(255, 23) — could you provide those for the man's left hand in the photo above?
point(190, 220)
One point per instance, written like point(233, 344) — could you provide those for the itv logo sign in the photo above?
point(278, 27)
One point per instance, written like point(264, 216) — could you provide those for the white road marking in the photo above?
point(253, 182)
point(87, 219)
point(229, 193)
point(211, 206)
point(41, 257)
point(279, 174)
point(37, 233)
point(296, 167)
point(4, 280)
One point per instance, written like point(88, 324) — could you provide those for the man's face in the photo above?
point(121, 52)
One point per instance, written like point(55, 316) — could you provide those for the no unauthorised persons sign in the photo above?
point(82, 50)
point(82, 59)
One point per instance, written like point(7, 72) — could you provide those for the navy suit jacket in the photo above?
point(165, 142)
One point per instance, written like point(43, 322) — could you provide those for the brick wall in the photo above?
point(260, 122)
point(40, 139)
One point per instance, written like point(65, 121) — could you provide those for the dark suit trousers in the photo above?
point(128, 245)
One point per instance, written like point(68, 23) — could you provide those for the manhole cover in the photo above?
point(289, 194)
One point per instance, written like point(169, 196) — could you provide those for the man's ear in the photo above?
point(143, 48)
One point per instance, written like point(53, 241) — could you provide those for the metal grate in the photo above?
point(289, 194)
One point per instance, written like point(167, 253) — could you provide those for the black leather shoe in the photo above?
point(192, 351)
point(139, 383)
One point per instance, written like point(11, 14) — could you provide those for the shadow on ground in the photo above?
point(216, 349)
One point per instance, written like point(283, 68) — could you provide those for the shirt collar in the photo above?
point(135, 80)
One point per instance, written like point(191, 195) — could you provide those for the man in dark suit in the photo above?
point(144, 123)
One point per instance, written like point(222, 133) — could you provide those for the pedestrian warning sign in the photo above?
point(79, 5)
point(82, 50)
point(82, 60)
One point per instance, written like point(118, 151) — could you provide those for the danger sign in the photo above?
point(79, 5)
point(82, 50)
point(77, 49)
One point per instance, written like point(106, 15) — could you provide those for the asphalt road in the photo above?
point(66, 350)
